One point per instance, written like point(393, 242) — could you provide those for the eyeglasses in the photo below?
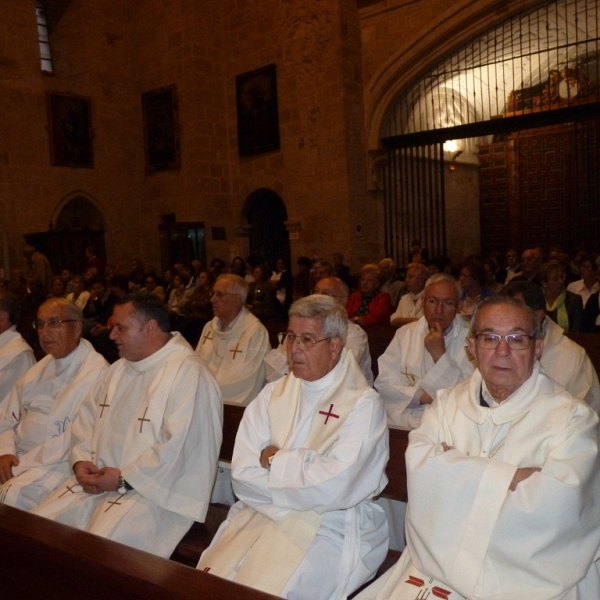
point(53, 323)
point(434, 302)
point(220, 295)
point(305, 340)
point(515, 341)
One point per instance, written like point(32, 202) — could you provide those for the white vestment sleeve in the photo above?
point(12, 372)
point(9, 419)
point(445, 373)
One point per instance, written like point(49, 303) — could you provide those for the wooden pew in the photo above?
point(43, 559)
point(591, 344)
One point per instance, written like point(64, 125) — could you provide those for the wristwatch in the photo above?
point(123, 486)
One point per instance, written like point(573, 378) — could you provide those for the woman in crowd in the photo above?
point(79, 295)
point(151, 285)
point(369, 305)
point(261, 297)
point(179, 295)
point(562, 306)
point(472, 281)
point(57, 287)
point(282, 283)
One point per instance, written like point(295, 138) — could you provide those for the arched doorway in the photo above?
point(266, 214)
point(78, 224)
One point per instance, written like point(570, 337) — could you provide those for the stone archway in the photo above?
point(266, 214)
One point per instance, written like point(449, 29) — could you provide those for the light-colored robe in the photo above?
point(406, 369)
point(16, 357)
point(469, 531)
point(159, 421)
point(36, 425)
point(568, 363)
point(337, 485)
point(235, 356)
point(276, 364)
point(409, 307)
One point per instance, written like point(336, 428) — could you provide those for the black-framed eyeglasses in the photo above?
point(515, 341)
point(305, 340)
point(52, 323)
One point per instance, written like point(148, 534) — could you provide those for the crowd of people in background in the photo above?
point(380, 293)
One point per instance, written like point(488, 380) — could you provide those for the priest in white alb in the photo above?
point(35, 425)
point(309, 457)
point(146, 439)
point(503, 479)
point(16, 357)
point(276, 362)
point(562, 359)
point(425, 356)
point(234, 344)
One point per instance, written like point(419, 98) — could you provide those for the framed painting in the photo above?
point(70, 130)
point(257, 112)
point(161, 129)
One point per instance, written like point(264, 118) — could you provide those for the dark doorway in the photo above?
point(265, 211)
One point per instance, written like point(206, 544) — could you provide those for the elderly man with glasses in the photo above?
point(234, 344)
point(424, 356)
point(35, 425)
point(503, 479)
point(309, 457)
point(276, 363)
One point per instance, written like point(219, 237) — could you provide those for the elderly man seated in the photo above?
point(424, 356)
point(35, 427)
point(16, 357)
point(276, 363)
point(309, 458)
point(503, 479)
point(410, 307)
point(146, 439)
point(234, 344)
point(563, 360)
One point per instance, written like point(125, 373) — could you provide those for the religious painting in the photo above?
point(257, 112)
point(70, 130)
point(161, 129)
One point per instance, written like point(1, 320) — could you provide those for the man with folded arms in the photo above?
point(35, 425)
point(309, 458)
point(503, 479)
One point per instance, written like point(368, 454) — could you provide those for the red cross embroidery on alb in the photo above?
point(329, 414)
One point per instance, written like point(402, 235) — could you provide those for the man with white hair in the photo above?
point(35, 426)
point(16, 357)
point(391, 285)
point(276, 363)
point(503, 479)
point(309, 457)
point(234, 344)
point(424, 356)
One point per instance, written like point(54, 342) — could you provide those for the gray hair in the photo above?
point(506, 301)
point(235, 285)
point(326, 310)
point(442, 278)
point(421, 268)
point(69, 309)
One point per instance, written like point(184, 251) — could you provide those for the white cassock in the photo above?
point(568, 363)
point(406, 369)
point(159, 421)
point(409, 307)
point(468, 531)
point(16, 357)
point(276, 364)
point(235, 356)
point(36, 425)
point(308, 528)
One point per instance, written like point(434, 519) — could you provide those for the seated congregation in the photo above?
point(118, 430)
